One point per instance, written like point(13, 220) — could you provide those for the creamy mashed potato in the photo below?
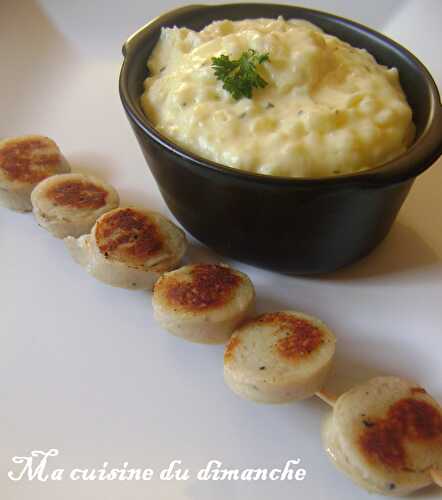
point(328, 108)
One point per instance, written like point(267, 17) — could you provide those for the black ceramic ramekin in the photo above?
point(299, 226)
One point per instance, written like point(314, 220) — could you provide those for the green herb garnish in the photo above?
point(240, 76)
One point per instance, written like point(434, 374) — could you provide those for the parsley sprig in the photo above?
point(240, 76)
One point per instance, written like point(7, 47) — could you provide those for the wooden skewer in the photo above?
point(327, 397)
point(330, 399)
point(436, 476)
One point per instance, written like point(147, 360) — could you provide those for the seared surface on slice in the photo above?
point(24, 162)
point(203, 302)
point(279, 357)
point(69, 204)
point(386, 434)
point(129, 248)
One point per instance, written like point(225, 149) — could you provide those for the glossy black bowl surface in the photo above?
point(300, 226)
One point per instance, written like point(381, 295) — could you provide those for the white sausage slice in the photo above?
point(203, 302)
point(24, 162)
point(279, 357)
point(129, 248)
point(69, 204)
point(386, 435)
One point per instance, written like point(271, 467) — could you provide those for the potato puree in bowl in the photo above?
point(328, 108)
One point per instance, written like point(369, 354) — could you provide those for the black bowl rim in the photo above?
point(420, 156)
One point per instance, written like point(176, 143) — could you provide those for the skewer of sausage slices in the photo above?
point(385, 434)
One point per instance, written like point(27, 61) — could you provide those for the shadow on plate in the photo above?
point(402, 251)
point(200, 254)
point(405, 251)
point(350, 368)
point(267, 302)
point(91, 163)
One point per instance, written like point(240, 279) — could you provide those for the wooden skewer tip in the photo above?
point(327, 397)
point(436, 475)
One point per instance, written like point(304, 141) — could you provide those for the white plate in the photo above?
point(83, 367)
